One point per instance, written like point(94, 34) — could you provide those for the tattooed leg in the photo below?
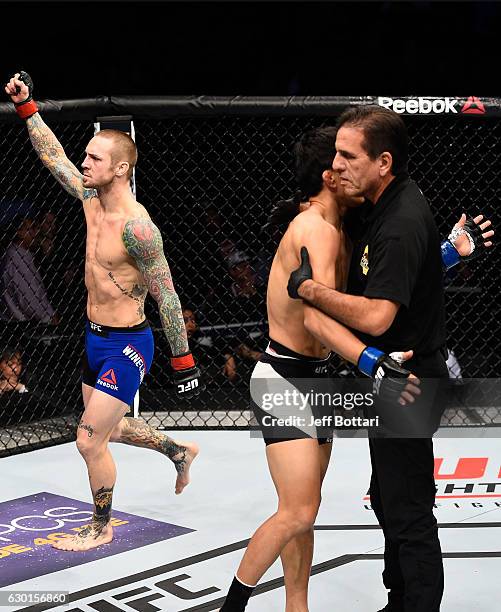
point(102, 508)
point(102, 476)
point(99, 531)
point(138, 433)
point(88, 428)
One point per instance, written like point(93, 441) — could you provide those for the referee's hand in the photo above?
point(299, 275)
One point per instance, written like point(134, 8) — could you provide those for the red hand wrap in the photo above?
point(27, 109)
point(183, 362)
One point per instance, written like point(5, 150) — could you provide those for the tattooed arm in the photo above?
point(49, 149)
point(143, 242)
point(52, 155)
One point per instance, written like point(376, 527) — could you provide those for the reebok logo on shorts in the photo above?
point(108, 380)
point(136, 358)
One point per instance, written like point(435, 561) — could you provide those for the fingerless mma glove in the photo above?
point(27, 107)
point(186, 375)
point(390, 379)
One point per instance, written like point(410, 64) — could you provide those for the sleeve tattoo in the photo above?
point(52, 155)
point(143, 242)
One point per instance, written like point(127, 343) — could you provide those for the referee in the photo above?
point(395, 301)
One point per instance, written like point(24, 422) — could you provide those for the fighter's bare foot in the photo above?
point(182, 461)
point(90, 536)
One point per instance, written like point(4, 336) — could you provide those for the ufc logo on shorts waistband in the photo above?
point(321, 369)
point(98, 329)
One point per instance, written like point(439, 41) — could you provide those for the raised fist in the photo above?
point(20, 90)
point(17, 89)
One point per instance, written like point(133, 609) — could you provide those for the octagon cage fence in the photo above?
point(209, 171)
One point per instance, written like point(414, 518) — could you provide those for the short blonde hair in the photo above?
point(124, 148)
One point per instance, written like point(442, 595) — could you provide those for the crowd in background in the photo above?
point(42, 294)
point(223, 300)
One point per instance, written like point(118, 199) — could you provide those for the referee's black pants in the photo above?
point(402, 492)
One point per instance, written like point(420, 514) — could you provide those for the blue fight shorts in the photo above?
point(117, 358)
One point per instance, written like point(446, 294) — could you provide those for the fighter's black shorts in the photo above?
point(281, 386)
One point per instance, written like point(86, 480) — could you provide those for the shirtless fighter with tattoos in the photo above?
point(124, 260)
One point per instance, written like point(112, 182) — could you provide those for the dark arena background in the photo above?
point(209, 170)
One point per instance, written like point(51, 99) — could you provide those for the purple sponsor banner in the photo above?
point(28, 526)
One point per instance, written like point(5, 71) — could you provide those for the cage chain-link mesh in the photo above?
point(208, 183)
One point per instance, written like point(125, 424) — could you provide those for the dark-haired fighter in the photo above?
point(297, 458)
point(124, 260)
point(395, 286)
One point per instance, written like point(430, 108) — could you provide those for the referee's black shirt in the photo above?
point(397, 257)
